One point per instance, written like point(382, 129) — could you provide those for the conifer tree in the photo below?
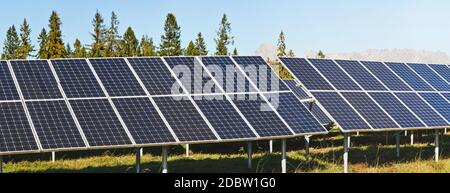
point(200, 45)
point(291, 53)
point(11, 44)
point(25, 47)
point(79, 50)
point(43, 45)
point(112, 37)
point(98, 35)
point(56, 48)
point(235, 52)
point(170, 41)
point(224, 37)
point(190, 50)
point(320, 54)
point(69, 52)
point(130, 43)
point(281, 51)
point(146, 47)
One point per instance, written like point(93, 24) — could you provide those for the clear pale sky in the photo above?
point(330, 25)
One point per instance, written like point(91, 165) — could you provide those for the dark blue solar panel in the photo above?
point(385, 75)
point(54, 125)
point(185, 120)
point(318, 113)
point(306, 74)
point(263, 119)
point(446, 95)
point(409, 76)
point(15, 131)
point(117, 77)
point(225, 119)
point(155, 75)
point(36, 79)
point(8, 89)
point(361, 75)
point(341, 111)
point(443, 70)
point(143, 121)
point(439, 103)
point(294, 113)
point(99, 122)
point(430, 76)
point(77, 79)
point(334, 74)
point(422, 109)
point(401, 114)
point(370, 110)
point(296, 89)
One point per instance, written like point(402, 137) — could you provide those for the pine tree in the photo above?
point(146, 47)
point(200, 45)
point(190, 50)
point(170, 40)
point(112, 37)
point(25, 47)
point(43, 45)
point(130, 43)
point(98, 35)
point(55, 45)
point(11, 44)
point(281, 51)
point(223, 37)
point(235, 52)
point(69, 52)
point(291, 53)
point(80, 51)
point(320, 54)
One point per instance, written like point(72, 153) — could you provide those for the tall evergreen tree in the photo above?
point(224, 38)
point(130, 43)
point(69, 52)
point(25, 47)
point(170, 41)
point(98, 35)
point(146, 47)
point(43, 45)
point(112, 37)
point(11, 44)
point(79, 50)
point(200, 45)
point(56, 48)
point(291, 53)
point(320, 54)
point(190, 50)
point(281, 51)
point(235, 52)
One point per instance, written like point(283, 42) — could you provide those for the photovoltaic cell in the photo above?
point(318, 113)
point(439, 103)
point(334, 74)
point(225, 119)
point(77, 79)
point(99, 122)
point(409, 76)
point(298, 91)
point(442, 70)
point(185, 120)
point(370, 110)
point(154, 74)
point(117, 77)
point(307, 75)
point(341, 111)
point(54, 125)
point(15, 131)
point(36, 79)
point(430, 76)
point(361, 75)
point(143, 121)
point(397, 110)
point(8, 89)
point(446, 95)
point(385, 75)
point(421, 109)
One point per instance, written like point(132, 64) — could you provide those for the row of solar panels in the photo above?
point(62, 104)
point(364, 96)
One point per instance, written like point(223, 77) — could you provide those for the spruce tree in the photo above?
point(112, 37)
point(11, 44)
point(170, 41)
point(200, 45)
point(79, 50)
point(146, 47)
point(235, 52)
point(98, 35)
point(69, 52)
point(25, 47)
point(190, 50)
point(320, 54)
point(43, 45)
point(291, 53)
point(130, 43)
point(56, 48)
point(224, 37)
point(281, 51)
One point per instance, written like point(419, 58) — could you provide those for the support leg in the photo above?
point(346, 147)
point(357, 133)
point(307, 147)
point(271, 146)
point(138, 160)
point(406, 133)
point(53, 156)
point(397, 144)
point(187, 150)
point(283, 156)
point(164, 160)
point(141, 152)
point(349, 141)
point(249, 154)
point(412, 138)
point(1, 164)
point(436, 146)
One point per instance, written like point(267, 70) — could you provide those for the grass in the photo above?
point(369, 154)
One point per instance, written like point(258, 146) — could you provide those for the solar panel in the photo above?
point(430, 76)
point(185, 120)
point(77, 79)
point(307, 75)
point(318, 113)
point(265, 121)
point(385, 75)
point(409, 76)
point(439, 103)
point(446, 95)
point(361, 75)
point(36, 79)
point(117, 77)
point(334, 74)
point(421, 109)
point(225, 119)
point(54, 125)
point(154, 74)
point(143, 121)
point(341, 111)
point(397, 110)
point(99, 122)
point(298, 91)
point(373, 114)
point(7, 87)
point(442, 70)
point(15, 131)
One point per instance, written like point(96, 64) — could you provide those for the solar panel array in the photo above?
point(376, 96)
point(70, 104)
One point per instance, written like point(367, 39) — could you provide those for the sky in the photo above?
point(329, 25)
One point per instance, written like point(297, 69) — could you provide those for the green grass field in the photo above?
point(369, 153)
